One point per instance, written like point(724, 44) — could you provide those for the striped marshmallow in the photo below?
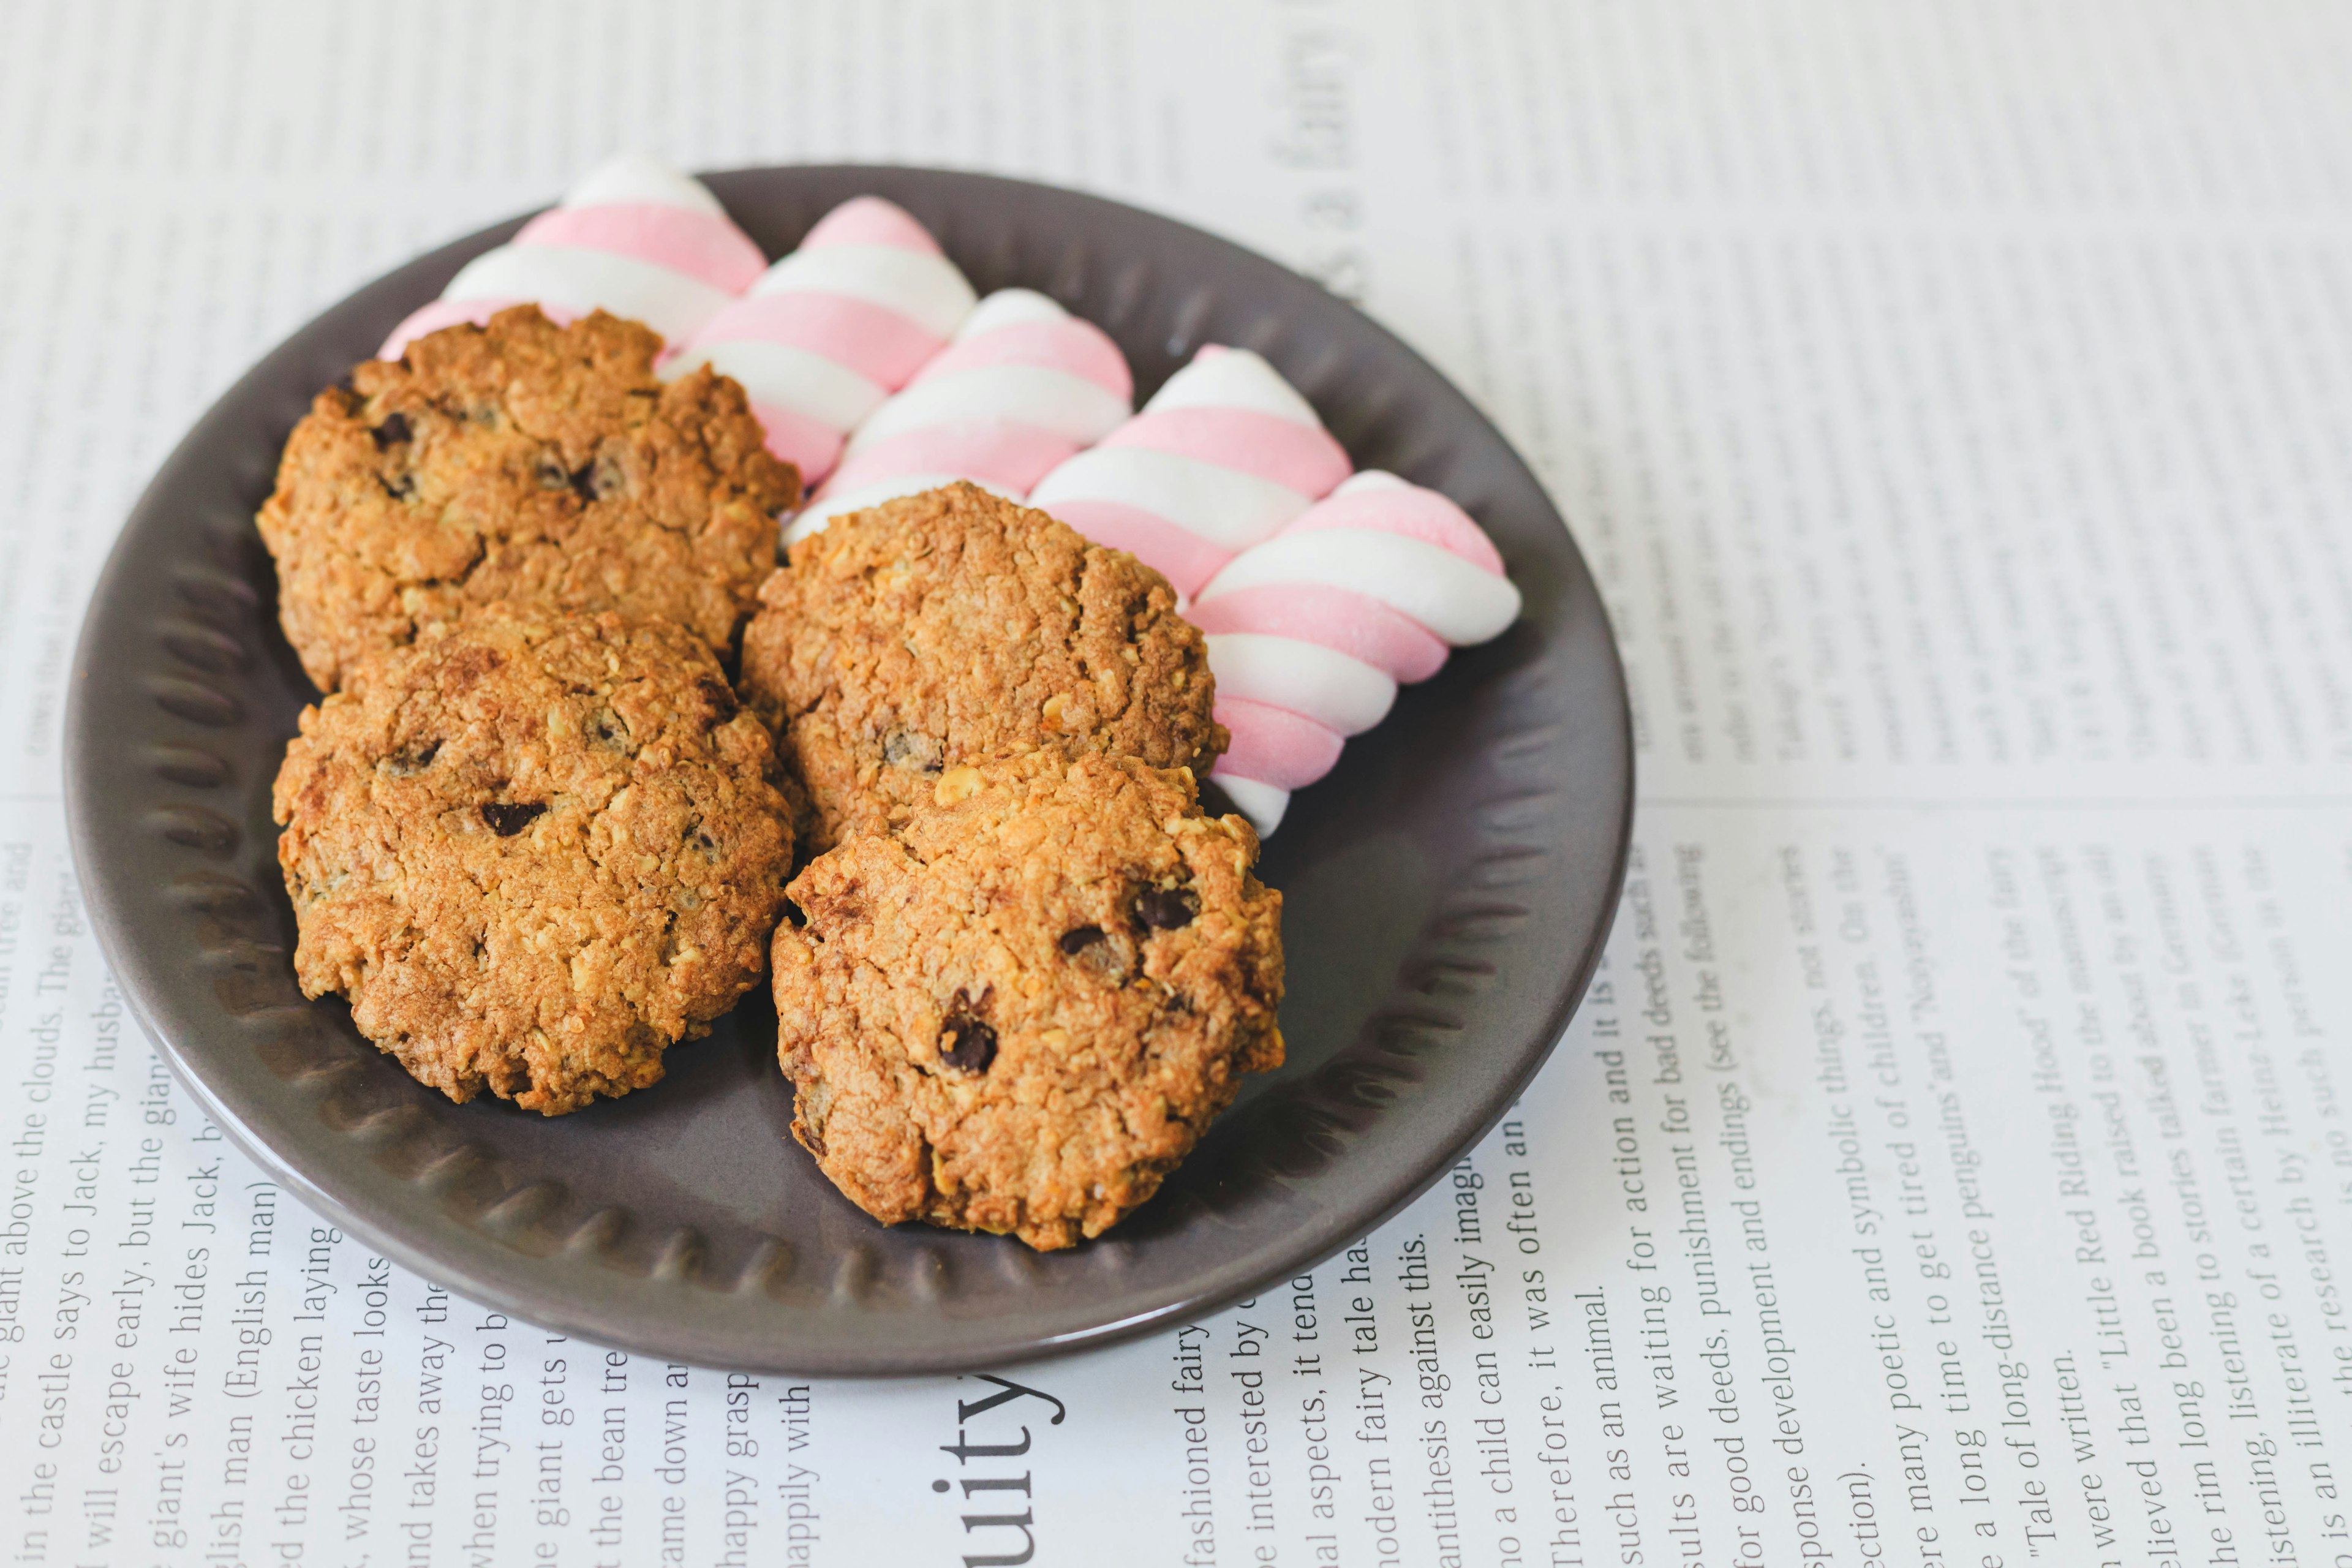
point(831, 331)
point(634, 237)
point(1023, 386)
point(1223, 456)
point(1310, 633)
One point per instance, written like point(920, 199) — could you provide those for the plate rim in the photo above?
point(550, 1307)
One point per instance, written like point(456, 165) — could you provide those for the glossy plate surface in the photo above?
point(1448, 886)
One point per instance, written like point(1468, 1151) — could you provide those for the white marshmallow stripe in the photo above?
point(1313, 613)
point(634, 237)
point(1023, 386)
point(1223, 456)
point(829, 332)
point(1310, 633)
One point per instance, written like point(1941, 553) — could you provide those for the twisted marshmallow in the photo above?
point(1310, 633)
point(634, 238)
point(832, 329)
point(1221, 457)
point(1023, 386)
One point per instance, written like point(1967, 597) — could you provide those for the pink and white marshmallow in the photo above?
point(827, 334)
point(1023, 386)
point(1310, 633)
point(1221, 457)
point(634, 237)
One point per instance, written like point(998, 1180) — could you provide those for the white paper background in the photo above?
point(1951, 400)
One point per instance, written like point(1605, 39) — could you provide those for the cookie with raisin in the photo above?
point(955, 626)
point(534, 851)
point(521, 460)
point(1016, 1010)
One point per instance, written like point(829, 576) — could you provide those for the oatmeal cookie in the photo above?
point(533, 851)
point(1017, 1010)
point(953, 627)
point(519, 460)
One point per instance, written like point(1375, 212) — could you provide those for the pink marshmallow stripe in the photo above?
point(1351, 623)
point(430, 319)
point(870, 220)
point(875, 341)
point(1081, 348)
point(809, 445)
point(1273, 745)
point(999, 451)
point(1299, 457)
point(702, 245)
point(1185, 558)
point(1412, 511)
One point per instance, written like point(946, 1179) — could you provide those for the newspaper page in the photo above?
point(1951, 1163)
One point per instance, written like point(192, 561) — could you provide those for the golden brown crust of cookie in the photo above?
point(1017, 1011)
point(533, 851)
point(521, 460)
point(954, 627)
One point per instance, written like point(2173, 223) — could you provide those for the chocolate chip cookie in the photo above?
point(1016, 1010)
point(953, 627)
point(521, 460)
point(534, 851)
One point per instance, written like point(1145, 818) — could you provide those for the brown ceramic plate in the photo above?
point(1448, 886)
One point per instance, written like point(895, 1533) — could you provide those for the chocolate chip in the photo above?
point(410, 761)
point(966, 1044)
point(583, 482)
point(392, 432)
point(1165, 909)
point(1091, 947)
point(398, 490)
point(506, 819)
point(721, 700)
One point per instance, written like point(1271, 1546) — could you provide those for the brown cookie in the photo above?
point(1017, 1010)
point(533, 851)
point(953, 627)
point(521, 460)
